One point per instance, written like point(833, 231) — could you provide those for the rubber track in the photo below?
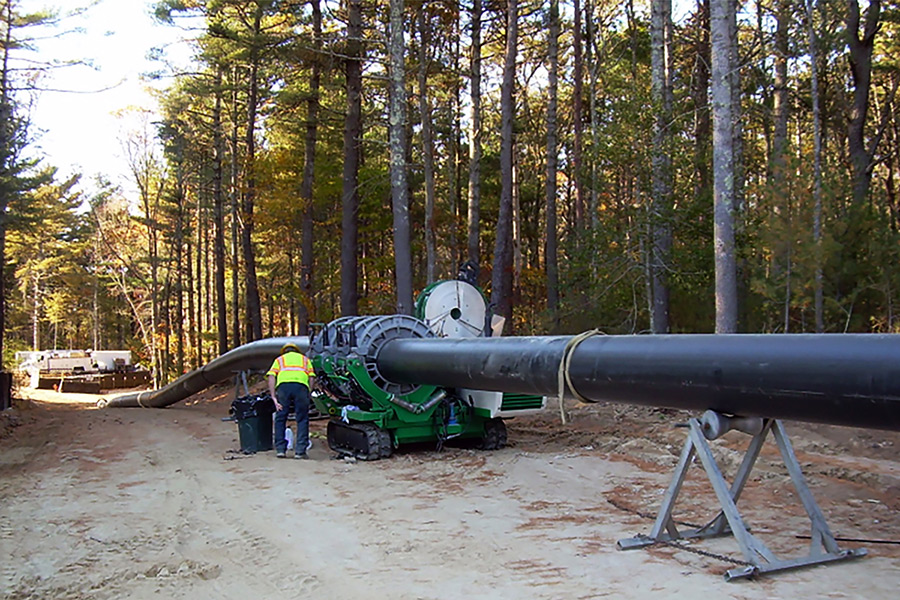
point(378, 441)
point(494, 435)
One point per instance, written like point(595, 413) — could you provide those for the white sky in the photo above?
point(78, 130)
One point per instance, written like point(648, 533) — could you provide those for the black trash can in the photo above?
point(253, 415)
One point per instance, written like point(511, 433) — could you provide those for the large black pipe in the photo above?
point(851, 380)
point(256, 355)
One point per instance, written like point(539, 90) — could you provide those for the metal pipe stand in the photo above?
point(758, 559)
point(240, 377)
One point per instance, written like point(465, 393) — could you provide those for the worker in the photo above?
point(289, 381)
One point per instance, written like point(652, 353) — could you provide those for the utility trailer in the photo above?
point(87, 371)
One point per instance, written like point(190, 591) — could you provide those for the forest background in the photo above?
point(734, 170)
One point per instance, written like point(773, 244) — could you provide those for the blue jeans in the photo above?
point(293, 397)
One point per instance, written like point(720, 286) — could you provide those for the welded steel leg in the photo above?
point(664, 521)
point(822, 540)
point(240, 377)
point(751, 547)
point(719, 525)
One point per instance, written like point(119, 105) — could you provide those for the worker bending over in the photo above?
point(289, 384)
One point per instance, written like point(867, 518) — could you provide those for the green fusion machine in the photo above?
point(371, 416)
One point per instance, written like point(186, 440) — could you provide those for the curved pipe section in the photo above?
point(841, 379)
point(253, 356)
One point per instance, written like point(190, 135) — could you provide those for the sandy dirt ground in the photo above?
point(148, 503)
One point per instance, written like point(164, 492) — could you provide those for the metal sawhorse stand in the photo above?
point(758, 559)
point(240, 377)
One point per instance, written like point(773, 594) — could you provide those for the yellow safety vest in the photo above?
point(291, 367)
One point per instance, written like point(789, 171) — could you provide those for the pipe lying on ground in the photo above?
point(839, 379)
point(256, 355)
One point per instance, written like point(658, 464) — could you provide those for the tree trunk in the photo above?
point(861, 72)
point(700, 96)
point(737, 143)
point(352, 149)
point(552, 165)
point(306, 186)
point(36, 314)
point(208, 353)
point(254, 313)
point(150, 203)
point(398, 145)
point(219, 218)
point(516, 222)
point(97, 342)
point(475, 138)
point(780, 147)
point(427, 148)
point(166, 320)
point(780, 97)
point(723, 168)
point(6, 157)
point(660, 206)
point(501, 279)
point(192, 323)
point(765, 94)
point(453, 165)
point(198, 332)
point(235, 220)
point(819, 294)
point(593, 66)
point(153, 256)
point(578, 118)
point(179, 282)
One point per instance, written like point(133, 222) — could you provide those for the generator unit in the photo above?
point(371, 415)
